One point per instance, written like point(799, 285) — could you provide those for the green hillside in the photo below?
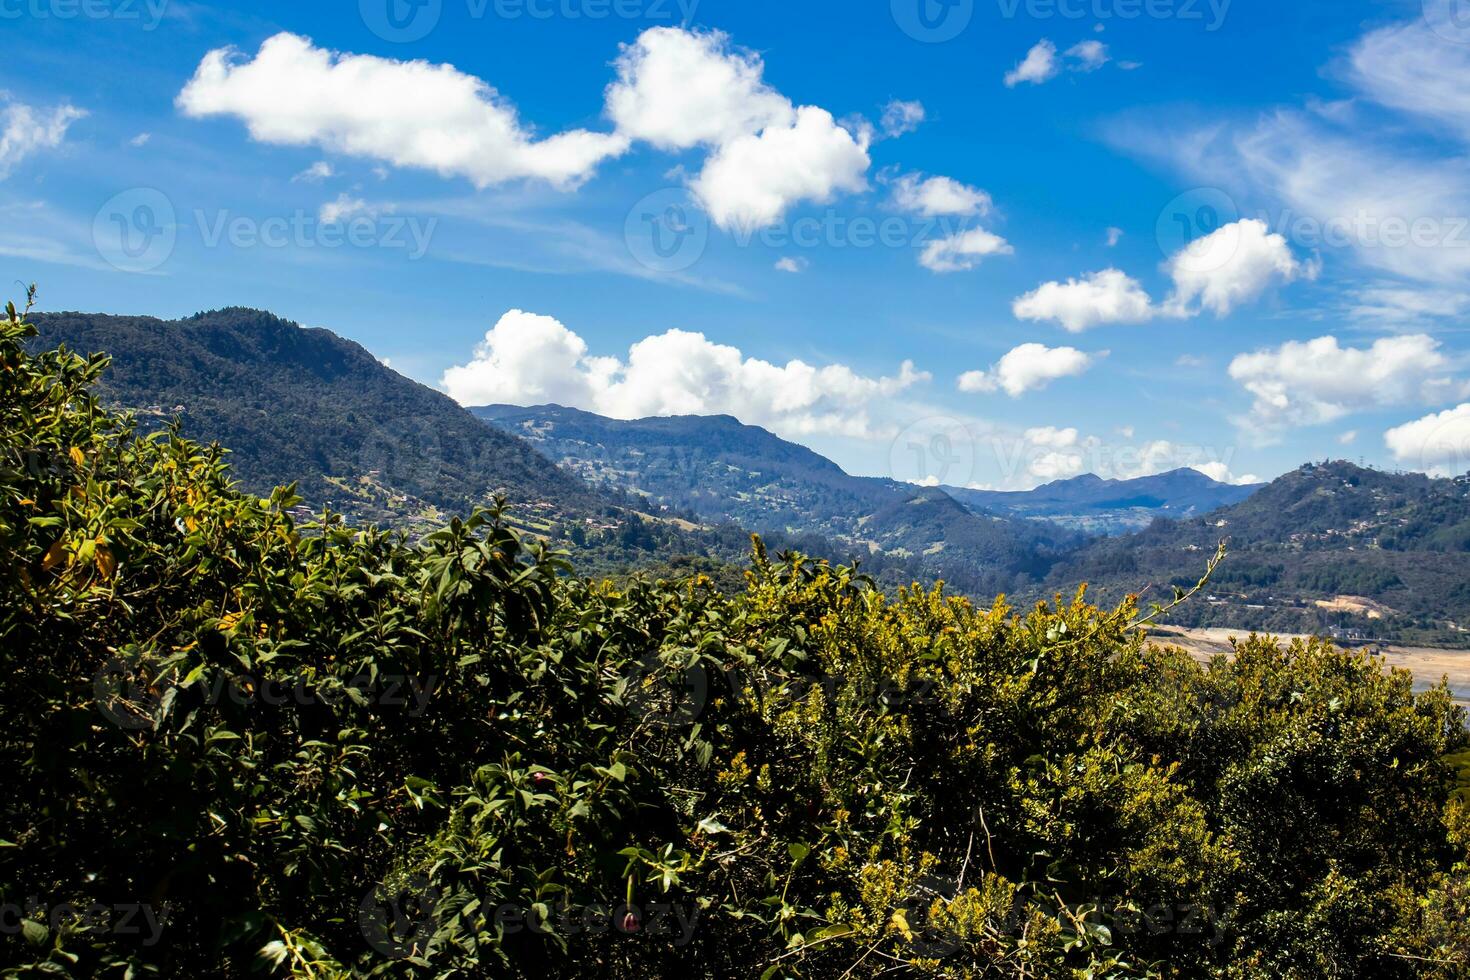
point(1330, 547)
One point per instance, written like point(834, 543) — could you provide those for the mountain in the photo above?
point(1330, 547)
point(1096, 506)
point(306, 406)
point(714, 468)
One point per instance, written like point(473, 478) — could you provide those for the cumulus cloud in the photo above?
point(963, 250)
point(1102, 298)
point(1029, 367)
point(751, 181)
point(25, 129)
point(406, 113)
point(1438, 444)
point(933, 197)
point(1115, 235)
point(789, 264)
point(678, 89)
point(1039, 66)
point(529, 359)
point(1233, 265)
point(674, 89)
point(1317, 381)
point(901, 117)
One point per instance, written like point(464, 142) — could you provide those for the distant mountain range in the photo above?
point(714, 468)
point(1093, 505)
point(1332, 546)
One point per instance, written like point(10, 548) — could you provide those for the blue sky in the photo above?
point(1006, 242)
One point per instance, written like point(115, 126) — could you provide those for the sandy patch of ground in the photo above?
point(1427, 664)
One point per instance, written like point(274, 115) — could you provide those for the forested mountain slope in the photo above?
point(1326, 547)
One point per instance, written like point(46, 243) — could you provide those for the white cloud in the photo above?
point(789, 264)
point(1029, 367)
point(1438, 444)
point(1042, 64)
point(1220, 473)
point(1393, 303)
point(1234, 264)
point(1319, 381)
point(1231, 266)
point(316, 173)
point(901, 117)
point(345, 207)
point(528, 359)
point(406, 113)
point(140, 140)
point(1348, 438)
point(1410, 68)
point(1104, 297)
point(25, 129)
point(933, 197)
point(677, 89)
point(1039, 66)
point(1088, 55)
point(1115, 235)
point(751, 181)
point(963, 250)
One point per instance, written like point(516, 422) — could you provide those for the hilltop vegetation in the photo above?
point(318, 751)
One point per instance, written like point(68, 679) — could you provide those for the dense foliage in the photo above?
point(241, 745)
